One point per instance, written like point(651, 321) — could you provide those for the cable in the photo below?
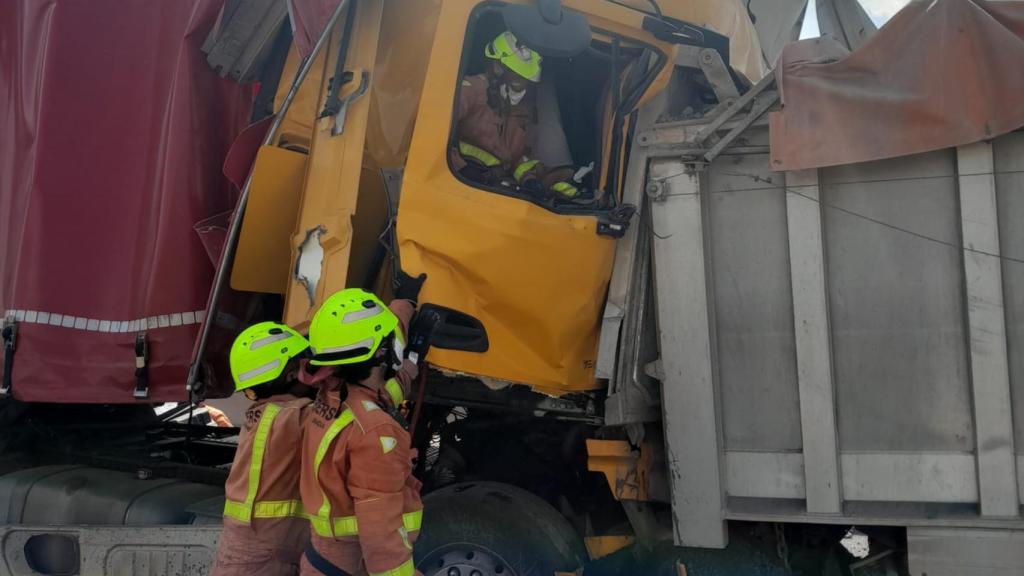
point(847, 211)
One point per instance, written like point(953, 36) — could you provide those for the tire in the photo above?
point(494, 529)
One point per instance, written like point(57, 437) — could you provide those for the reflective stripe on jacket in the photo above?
point(264, 479)
point(264, 534)
point(361, 498)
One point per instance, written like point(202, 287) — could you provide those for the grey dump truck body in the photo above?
point(839, 345)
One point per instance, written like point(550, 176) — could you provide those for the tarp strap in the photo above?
point(10, 337)
point(141, 367)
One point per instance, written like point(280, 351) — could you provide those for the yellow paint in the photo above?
point(406, 34)
point(535, 279)
point(261, 261)
point(297, 127)
point(624, 468)
point(601, 546)
point(332, 182)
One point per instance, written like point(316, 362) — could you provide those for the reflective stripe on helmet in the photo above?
point(246, 511)
point(524, 167)
point(362, 344)
point(405, 569)
point(269, 340)
point(479, 154)
point(361, 314)
point(258, 371)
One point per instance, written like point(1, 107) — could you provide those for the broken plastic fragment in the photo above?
point(856, 543)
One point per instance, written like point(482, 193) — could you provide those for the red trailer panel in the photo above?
point(113, 131)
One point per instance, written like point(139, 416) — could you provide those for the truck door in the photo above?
point(532, 269)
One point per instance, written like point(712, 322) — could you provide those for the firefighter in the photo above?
point(497, 120)
point(264, 531)
point(357, 484)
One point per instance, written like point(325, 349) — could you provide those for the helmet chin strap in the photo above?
point(321, 374)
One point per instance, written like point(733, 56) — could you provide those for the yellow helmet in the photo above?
point(515, 56)
point(261, 352)
point(349, 328)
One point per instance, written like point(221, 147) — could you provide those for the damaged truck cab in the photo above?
point(358, 184)
point(524, 276)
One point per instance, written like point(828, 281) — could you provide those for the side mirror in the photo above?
point(548, 28)
point(454, 330)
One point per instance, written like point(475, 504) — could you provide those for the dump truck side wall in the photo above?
point(843, 344)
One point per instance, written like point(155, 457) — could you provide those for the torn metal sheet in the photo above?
point(310, 262)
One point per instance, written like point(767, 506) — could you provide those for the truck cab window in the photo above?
point(535, 127)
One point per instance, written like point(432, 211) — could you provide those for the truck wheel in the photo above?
point(494, 529)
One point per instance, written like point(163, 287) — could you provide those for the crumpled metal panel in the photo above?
point(113, 130)
point(938, 75)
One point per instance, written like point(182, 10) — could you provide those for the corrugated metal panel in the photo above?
point(907, 346)
point(896, 304)
point(753, 306)
point(1009, 166)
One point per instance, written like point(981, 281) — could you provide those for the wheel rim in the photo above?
point(464, 559)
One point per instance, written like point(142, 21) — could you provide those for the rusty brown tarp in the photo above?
point(941, 73)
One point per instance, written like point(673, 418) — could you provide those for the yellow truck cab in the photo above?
point(524, 276)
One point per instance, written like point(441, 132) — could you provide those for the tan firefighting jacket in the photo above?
point(264, 531)
point(494, 134)
point(357, 485)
